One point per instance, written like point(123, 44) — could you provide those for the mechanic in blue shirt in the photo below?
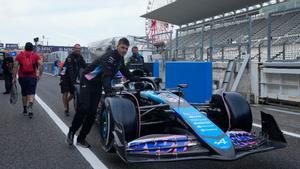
point(97, 75)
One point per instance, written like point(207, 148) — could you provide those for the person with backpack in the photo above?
point(29, 67)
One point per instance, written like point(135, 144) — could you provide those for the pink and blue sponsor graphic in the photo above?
point(243, 139)
point(160, 145)
point(93, 73)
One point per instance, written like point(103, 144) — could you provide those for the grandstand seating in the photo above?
point(285, 29)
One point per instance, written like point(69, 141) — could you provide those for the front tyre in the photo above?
point(105, 128)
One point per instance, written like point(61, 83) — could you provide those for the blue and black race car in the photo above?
point(144, 123)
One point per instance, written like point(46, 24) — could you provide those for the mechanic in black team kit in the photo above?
point(74, 62)
point(97, 75)
point(136, 58)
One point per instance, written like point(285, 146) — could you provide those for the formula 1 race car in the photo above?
point(144, 123)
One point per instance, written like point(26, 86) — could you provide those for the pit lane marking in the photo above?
point(284, 132)
point(85, 152)
point(49, 74)
point(283, 111)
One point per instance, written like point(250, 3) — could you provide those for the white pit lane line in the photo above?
point(284, 132)
point(85, 152)
point(49, 74)
point(283, 111)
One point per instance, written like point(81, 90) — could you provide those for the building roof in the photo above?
point(183, 12)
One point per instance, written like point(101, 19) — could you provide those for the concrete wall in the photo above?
point(263, 82)
point(219, 69)
point(254, 81)
point(281, 83)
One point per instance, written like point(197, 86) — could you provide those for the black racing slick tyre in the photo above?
point(240, 111)
point(105, 128)
point(117, 110)
point(234, 112)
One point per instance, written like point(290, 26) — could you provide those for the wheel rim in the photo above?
point(104, 126)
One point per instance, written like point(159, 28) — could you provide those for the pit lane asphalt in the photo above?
point(39, 143)
point(33, 143)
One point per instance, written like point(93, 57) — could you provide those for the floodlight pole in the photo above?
point(269, 22)
point(211, 43)
point(36, 42)
point(249, 35)
point(176, 48)
point(202, 43)
point(171, 35)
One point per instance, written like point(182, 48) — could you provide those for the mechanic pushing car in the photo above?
point(97, 75)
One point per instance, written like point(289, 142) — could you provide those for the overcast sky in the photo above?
point(65, 22)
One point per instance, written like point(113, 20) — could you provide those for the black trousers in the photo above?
point(89, 97)
point(8, 82)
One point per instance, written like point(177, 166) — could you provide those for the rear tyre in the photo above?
point(239, 115)
point(240, 111)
